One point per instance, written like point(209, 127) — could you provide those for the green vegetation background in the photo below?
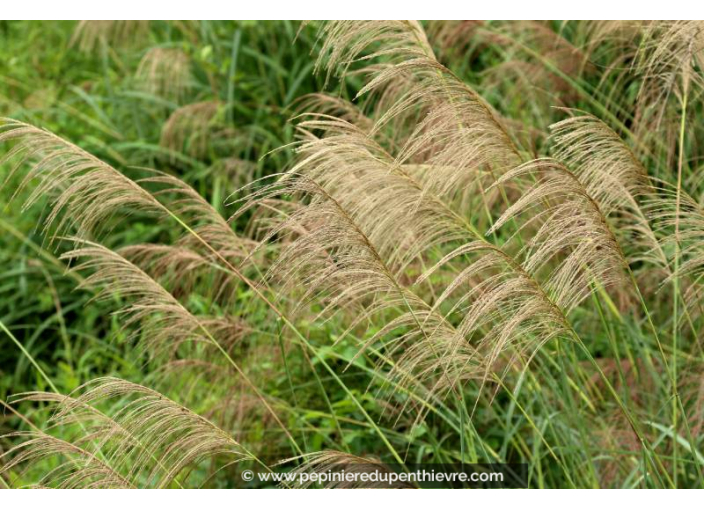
point(252, 74)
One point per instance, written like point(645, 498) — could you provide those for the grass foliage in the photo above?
point(227, 245)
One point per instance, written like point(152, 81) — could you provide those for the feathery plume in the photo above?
point(165, 72)
point(189, 128)
point(86, 192)
point(148, 440)
point(91, 34)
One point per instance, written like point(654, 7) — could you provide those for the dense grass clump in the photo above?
point(405, 242)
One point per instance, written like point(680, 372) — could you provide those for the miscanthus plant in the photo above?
point(438, 275)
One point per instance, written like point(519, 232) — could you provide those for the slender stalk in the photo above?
point(30, 358)
point(675, 279)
